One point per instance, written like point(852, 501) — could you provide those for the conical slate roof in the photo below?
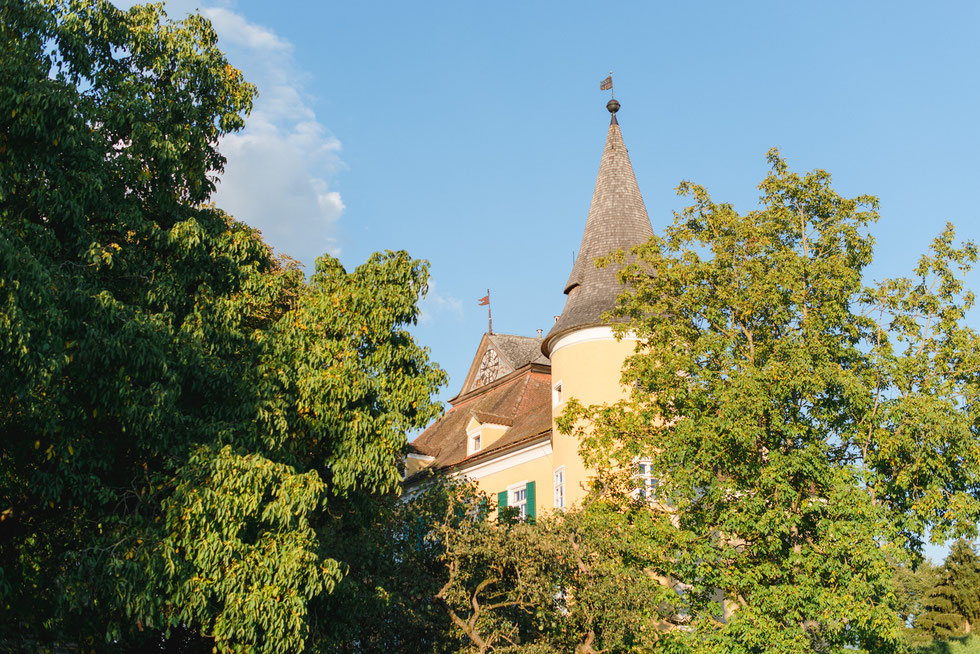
point(617, 220)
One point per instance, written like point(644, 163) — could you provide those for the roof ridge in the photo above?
point(486, 417)
point(520, 402)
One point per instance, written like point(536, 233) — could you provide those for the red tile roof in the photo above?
point(521, 401)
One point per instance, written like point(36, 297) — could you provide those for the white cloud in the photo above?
point(436, 303)
point(235, 29)
point(280, 168)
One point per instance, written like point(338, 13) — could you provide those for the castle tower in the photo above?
point(499, 431)
point(586, 358)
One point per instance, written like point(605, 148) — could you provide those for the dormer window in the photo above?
point(474, 438)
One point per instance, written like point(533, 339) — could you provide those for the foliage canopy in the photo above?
point(181, 409)
point(196, 437)
point(804, 426)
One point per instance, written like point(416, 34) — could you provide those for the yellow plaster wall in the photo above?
point(591, 372)
point(490, 433)
point(413, 465)
point(540, 471)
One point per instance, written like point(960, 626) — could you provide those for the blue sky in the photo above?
point(470, 133)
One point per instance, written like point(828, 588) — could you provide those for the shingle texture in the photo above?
point(518, 350)
point(522, 403)
point(617, 220)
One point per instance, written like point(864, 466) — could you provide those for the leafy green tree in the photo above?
point(588, 580)
point(805, 426)
point(395, 548)
point(912, 585)
point(180, 411)
point(952, 606)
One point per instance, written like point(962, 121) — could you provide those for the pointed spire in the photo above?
point(617, 220)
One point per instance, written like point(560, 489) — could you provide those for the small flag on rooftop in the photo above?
point(606, 84)
point(485, 302)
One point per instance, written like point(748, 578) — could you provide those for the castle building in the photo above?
point(500, 430)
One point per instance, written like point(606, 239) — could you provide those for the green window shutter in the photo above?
point(502, 498)
point(530, 500)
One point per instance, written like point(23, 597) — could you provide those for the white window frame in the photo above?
point(474, 440)
point(558, 487)
point(556, 394)
point(645, 484)
point(521, 506)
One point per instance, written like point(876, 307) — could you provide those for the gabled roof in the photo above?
point(513, 351)
point(522, 403)
point(617, 220)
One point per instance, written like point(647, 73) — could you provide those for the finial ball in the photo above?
point(613, 106)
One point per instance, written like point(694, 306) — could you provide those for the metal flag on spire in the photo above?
point(606, 85)
point(485, 302)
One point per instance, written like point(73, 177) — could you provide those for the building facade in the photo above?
point(500, 429)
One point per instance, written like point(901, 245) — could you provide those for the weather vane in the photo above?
point(485, 302)
point(606, 85)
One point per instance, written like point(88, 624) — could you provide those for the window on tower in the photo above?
point(560, 487)
point(644, 481)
